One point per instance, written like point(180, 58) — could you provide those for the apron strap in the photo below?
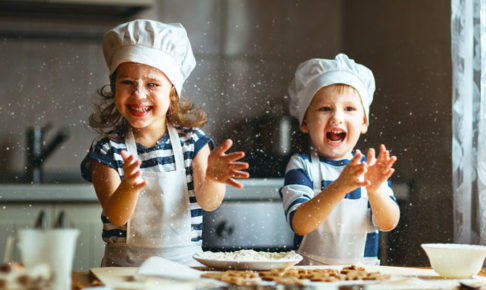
point(316, 171)
point(174, 140)
point(176, 147)
point(131, 145)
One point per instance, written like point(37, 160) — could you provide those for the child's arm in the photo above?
point(118, 197)
point(312, 213)
point(385, 211)
point(212, 170)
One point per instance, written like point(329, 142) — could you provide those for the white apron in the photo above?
point(161, 222)
point(341, 238)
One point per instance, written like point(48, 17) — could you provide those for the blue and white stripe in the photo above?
point(159, 158)
point(298, 188)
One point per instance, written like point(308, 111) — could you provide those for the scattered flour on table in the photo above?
point(248, 255)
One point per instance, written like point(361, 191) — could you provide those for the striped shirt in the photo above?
point(159, 158)
point(298, 188)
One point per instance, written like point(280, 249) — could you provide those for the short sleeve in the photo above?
point(200, 139)
point(101, 150)
point(298, 186)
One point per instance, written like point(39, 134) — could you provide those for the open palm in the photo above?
point(223, 167)
point(379, 169)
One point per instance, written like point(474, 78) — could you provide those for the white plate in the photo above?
point(247, 265)
point(158, 266)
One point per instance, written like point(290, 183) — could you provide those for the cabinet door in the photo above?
point(89, 247)
point(259, 225)
point(15, 216)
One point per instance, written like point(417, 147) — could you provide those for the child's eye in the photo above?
point(153, 85)
point(325, 109)
point(126, 82)
point(350, 109)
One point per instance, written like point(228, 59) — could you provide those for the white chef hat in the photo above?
point(315, 73)
point(160, 45)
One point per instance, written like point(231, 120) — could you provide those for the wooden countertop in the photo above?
point(83, 280)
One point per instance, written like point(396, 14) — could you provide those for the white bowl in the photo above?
point(455, 260)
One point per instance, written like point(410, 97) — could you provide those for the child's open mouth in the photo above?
point(335, 136)
point(139, 110)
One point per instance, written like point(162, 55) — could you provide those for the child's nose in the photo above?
point(337, 116)
point(138, 89)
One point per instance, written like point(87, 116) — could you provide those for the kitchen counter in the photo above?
point(254, 189)
point(418, 277)
point(16, 193)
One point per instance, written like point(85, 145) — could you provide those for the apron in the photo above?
point(161, 222)
point(341, 238)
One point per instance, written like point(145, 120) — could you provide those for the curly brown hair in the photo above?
point(107, 121)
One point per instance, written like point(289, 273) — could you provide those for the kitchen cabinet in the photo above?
point(249, 218)
point(89, 247)
point(83, 216)
point(260, 225)
point(17, 216)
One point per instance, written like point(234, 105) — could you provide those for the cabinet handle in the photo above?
point(223, 230)
point(41, 222)
point(61, 221)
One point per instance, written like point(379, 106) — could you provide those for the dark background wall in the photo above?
point(407, 44)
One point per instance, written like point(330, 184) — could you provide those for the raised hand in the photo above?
point(224, 167)
point(352, 175)
point(132, 174)
point(379, 169)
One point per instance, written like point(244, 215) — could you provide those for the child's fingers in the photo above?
point(383, 147)
point(126, 157)
point(139, 185)
point(239, 165)
point(234, 156)
point(362, 183)
point(389, 173)
point(356, 169)
point(392, 161)
point(132, 176)
point(371, 156)
point(223, 147)
point(233, 183)
point(386, 165)
point(128, 160)
point(131, 168)
point(240, 174)
point(357, 157)
point(361, 168)
point(384, 155)
point(124, 154)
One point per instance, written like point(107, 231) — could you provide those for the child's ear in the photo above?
point(303, 127)
point(364, 126)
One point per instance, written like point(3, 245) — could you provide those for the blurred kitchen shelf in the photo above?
point(74, 8)
point(254, 189)
point(47, 193)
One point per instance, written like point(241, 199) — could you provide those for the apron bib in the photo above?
point(161, 222)
point(341, 238)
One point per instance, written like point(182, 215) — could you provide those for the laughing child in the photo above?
point(336, 199)
point(152, 168)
